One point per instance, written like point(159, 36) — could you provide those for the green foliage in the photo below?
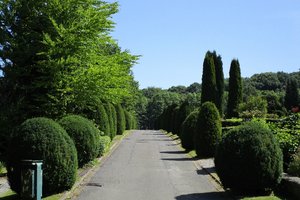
point(209, 85)
point(43, 139)
point(294, 166)
point(235, 89)
point(104, 144)
point(102, 120)
point(266, 81)
point(188, 129)
point(288, 135)
point(219, 81)
point(255, 106)
point(113, 123)
point(249, 159)
point(184, 110)
point(121, 121)
point(84, 134)
point(60, 59)
point(291, 98)
point(208, 130)
point(128, 120)
point(157, 104)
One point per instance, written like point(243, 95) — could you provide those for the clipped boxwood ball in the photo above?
point(43, 139)
point(85, 136)
point(248, 159)
point(188, 128)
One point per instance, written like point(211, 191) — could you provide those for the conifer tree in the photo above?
point(209, 87)
point(219, 81)
point(291, 94)
point(235, 89)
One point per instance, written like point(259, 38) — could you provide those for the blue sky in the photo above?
point(172, 36)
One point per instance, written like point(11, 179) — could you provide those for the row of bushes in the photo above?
point(198, 129)
point(248, 156)
point(111, 119)
point(65, 145)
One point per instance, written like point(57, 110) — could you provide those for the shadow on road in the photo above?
point(178, 159)
point(204, 196)
point(173, 152)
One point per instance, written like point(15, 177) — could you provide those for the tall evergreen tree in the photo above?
point(291, 94)
point(235, 89)
point(209, 86)
point(219, 81)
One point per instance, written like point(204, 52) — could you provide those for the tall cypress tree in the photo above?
point(291, 94)
point(219, 81)
point(235, 89)
point(209, 86)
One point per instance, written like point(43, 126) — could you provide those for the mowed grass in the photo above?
point(11, 195)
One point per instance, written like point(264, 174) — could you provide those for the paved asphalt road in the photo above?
point(149, 166)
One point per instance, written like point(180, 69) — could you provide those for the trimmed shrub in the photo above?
point(208, 130)
point(121, 121)
point(43, 139)
point(188, 128)
point(102, 120)
point(127, 120)
point(85, 136)
point(294, 167)
point(113, 124)
point(184, 110)
point(249, 159)
point(104, 144)
point(110, 118)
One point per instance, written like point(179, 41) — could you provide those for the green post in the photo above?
point(31, 179)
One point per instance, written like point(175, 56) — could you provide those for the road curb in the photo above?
point(77, 188)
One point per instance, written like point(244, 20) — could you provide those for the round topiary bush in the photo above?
point(85, 136)
point(43, 139)
point(209, 130)
point(188, 129)
point(249, 159)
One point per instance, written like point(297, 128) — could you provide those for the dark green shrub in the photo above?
point(104, 144)
point(127, 120)
point(294, 166)
point(208, 130)
point(110, 118)
point(249, 159)
point(288, 135)
point(102, 120)
point(113, 124)
point(121, 121)
point(85, 136)
point(43, 139)
point(184, 110)
point(188, 128)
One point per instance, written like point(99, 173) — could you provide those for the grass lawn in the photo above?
point(10, 195)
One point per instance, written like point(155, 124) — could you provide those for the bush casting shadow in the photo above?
point(204, 196)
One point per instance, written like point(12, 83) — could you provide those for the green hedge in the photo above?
point(85, 136)
point(188, 129)
point(43, 139)
point(208, 131)
point(249, 159)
